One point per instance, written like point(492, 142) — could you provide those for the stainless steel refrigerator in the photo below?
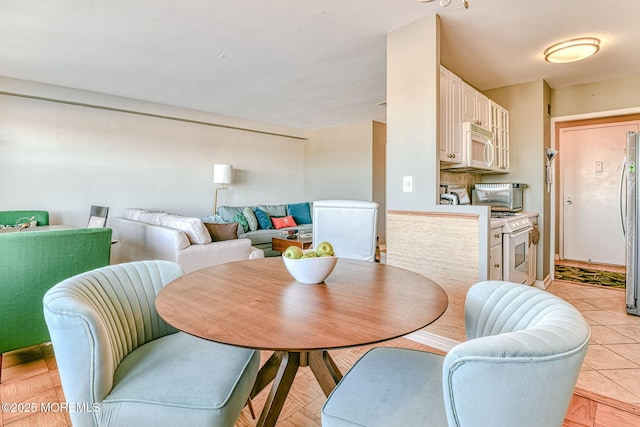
point(631, 206)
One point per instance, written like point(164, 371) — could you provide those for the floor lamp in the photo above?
point(221, 175)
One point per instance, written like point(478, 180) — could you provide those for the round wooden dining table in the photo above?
point(257, 304)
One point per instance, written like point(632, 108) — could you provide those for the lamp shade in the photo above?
point(222, 174)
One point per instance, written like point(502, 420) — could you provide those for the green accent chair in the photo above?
point(9, 218)
point(116, 354)
point(518, 367)
point(33, 261)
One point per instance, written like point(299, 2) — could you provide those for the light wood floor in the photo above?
point(31, 376)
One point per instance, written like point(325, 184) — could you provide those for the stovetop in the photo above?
point(498, 214)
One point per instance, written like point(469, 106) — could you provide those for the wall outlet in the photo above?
point(407, 184)
point(599, 166)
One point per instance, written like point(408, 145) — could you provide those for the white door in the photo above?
point(591, 165)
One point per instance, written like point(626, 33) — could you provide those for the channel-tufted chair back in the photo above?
point(114, 304)
point(521, 361)
point(127, 366)
point(518, 368)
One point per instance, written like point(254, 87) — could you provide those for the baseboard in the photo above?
point(432, 340)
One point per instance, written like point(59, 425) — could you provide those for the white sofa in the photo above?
point(141, 234)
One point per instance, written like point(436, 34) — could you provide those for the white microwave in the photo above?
point(479, 145)
point(478, 150)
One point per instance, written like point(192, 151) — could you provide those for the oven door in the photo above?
point(516, 256)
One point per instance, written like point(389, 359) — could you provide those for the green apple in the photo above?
point(310, 254)
point(293, 252)
point(324, 248)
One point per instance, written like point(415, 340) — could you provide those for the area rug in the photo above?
point(592, 277)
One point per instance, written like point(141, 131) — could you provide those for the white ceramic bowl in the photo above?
point(310, 270)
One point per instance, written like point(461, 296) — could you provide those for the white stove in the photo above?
point(516, 240)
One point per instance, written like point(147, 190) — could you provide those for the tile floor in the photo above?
point(612, 365)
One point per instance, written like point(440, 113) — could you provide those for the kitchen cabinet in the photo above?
point(475, 107)
point(499, 125)
point(460, 103)
point(495, 253)
point(450, 136)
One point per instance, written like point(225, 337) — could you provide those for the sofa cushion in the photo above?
point(282, 222)
point(154, 218)
point(134, 213)
point(213, 219)
point(222, 231)
point(251, 218)
point(192, 227)
point(274, 210)
point(242, 221)
point(229, 212)
point(264, 221)
point(300, 212)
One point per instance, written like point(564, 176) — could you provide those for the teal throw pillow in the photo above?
point(251, 218)
point(263, 218)
point(242, 221)
point(300, 213)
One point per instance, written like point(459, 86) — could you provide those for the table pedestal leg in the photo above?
point(325, 370)
point(267, 373)
point(281, 368)
point(290, 361)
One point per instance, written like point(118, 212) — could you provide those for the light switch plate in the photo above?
point(407, 184)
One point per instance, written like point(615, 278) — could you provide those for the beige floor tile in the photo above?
point(614, 304)
point(574, 291)
point(581, 304)
point(605, 335)
point(600, 357)
point(608, 318)
point(629, 379)
point(628, 351)
point(596, 382)
point(630, 330)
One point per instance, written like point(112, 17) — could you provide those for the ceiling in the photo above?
point(306, 64)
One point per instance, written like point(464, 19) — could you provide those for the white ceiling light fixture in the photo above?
point(572, 50)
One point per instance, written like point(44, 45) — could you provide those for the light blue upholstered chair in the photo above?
point(518, 368)
point(351, 226)
point(115, 352)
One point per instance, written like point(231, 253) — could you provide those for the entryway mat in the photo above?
point(593, 277)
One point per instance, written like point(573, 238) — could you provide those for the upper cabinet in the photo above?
point(460, 103)
point(500, 129)
point(450, 117)
point(475, 107)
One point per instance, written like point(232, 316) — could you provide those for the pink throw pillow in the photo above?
point(282, 222)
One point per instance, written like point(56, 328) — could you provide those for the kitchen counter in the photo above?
point(497, 222)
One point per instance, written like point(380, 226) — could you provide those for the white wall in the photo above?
point(339, 163)
point(413, 66)
point(608, 95)
point(64, 158)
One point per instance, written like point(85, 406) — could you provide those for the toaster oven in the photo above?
point(506, 197)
